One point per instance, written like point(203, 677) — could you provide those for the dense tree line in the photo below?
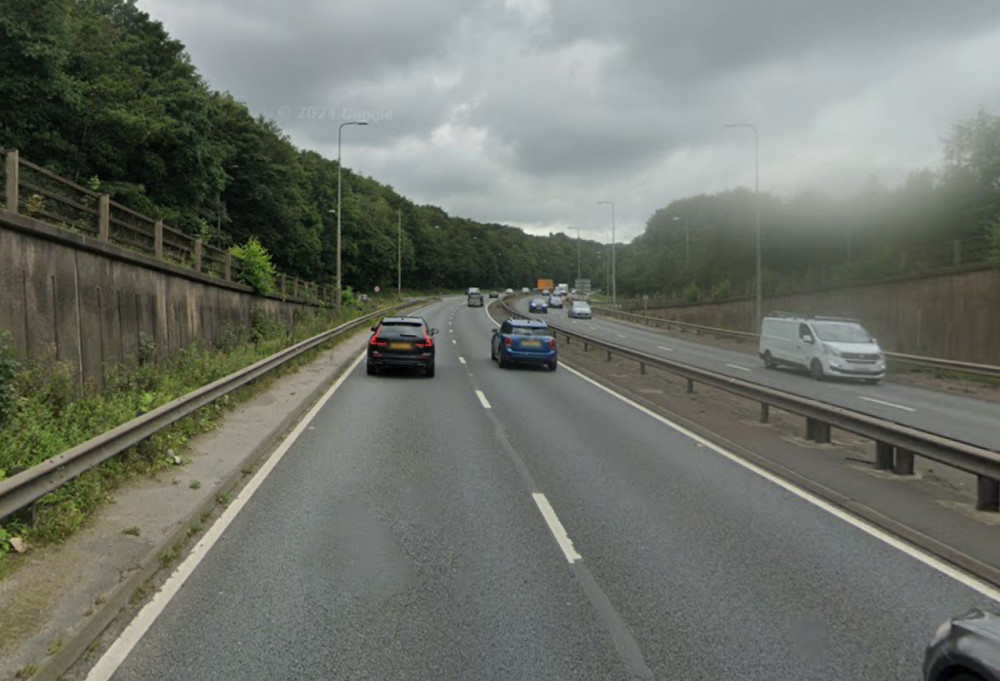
point(708, 242)
point(97, 91)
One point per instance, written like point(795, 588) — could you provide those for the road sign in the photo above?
point(377, 289)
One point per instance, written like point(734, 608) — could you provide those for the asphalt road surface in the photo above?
point(955, 416)
point(539, 528)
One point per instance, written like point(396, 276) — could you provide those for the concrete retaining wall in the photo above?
point(955, 315)
point(92, 302)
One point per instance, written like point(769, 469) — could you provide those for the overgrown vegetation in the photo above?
point(256, 269)
point(48, 413)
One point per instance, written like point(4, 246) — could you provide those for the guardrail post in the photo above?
point(609, 356)
point(10, 192)
point(690, 385)
point(765, 412)
point(642, 368)
point(817, 431)
point(987, 494)
point(586, 346)
point(956, 252)
point(197, 254)
point(158, 239)
point(904, 462)
point(104, 217)
point(283, 282)
point(228, 271)
point(884, 455)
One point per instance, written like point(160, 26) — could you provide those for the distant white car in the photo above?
point(580, 309)
point(509, 291)
point(555, 300)
point(525, 289)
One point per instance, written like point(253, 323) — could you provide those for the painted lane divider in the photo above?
point(556, 527)
point(737, 366)
point(482, 400)
point(887, 404)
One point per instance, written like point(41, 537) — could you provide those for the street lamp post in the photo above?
point(614, 279)
point(756, 202)
point(577, 255)
point(399, 251)
point(339, 131)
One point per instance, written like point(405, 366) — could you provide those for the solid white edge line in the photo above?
point(737, 366)
point(883, 536)
point(454, 342)
point(888, 404)
point(660, 347)
point(116, 654)
point(482, 400)
point(461, 360)
point(556, 528)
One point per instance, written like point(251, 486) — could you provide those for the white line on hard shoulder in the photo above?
point(462, 360)
point(898, 544)
point(482, 400)
point(454, 342)
point(888, 404)
point(737, 366)
point(136, 629)
point(620, 335)
point(663, 348)
point(556, 527)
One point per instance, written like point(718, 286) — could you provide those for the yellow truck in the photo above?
point(545, 284)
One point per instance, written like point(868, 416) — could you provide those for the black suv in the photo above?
point(401, 342)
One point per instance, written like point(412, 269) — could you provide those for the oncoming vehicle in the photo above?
point(555, 300)
point(524, 341)
point(509, 291)
point(825, 346)
point(494, 294)
point(475, 298)
point(525, 289)
point(580, 309)
point(965, 648)
point(401, 342)
point(538, 305)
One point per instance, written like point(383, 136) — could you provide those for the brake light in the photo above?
point(377, 342)
point(428, 343)
point(552, 344)
point(507, 342)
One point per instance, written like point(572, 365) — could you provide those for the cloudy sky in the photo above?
point(527, 112)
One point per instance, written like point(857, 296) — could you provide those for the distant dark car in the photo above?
point(401, 342)
point(965, 648)
point(524, 341)
point(494, 294)
point(475, 299)
point(538, 305)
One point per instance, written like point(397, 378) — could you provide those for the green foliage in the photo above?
point(691, 293)
point(8, 371)
point(256, 267)
point(265, 327)
point(722, 290)
point(347, 298)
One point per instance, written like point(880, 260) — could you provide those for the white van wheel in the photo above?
point(816, 369)
point(769, 360)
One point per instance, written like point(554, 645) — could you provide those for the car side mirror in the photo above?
point(374, 328)
point(434, 332)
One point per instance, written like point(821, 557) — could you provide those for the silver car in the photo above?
point(580, 309)
point(555, 300)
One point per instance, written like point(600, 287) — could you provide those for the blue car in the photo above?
point(538, 305)
point(524, 341)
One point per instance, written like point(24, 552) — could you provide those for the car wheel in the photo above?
point(429, 371)
point(553, 365)
point(769, 360)
point(370, 369)
point(816, 370)
point(493, 353)
point(502, 361)
point(872, 381)
point(965, 677)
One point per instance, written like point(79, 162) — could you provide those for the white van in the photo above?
point(825, 346)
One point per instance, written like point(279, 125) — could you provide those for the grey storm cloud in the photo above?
point(528, 111)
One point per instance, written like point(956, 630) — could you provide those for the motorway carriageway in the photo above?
point(954, 416)
point(523, 524)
